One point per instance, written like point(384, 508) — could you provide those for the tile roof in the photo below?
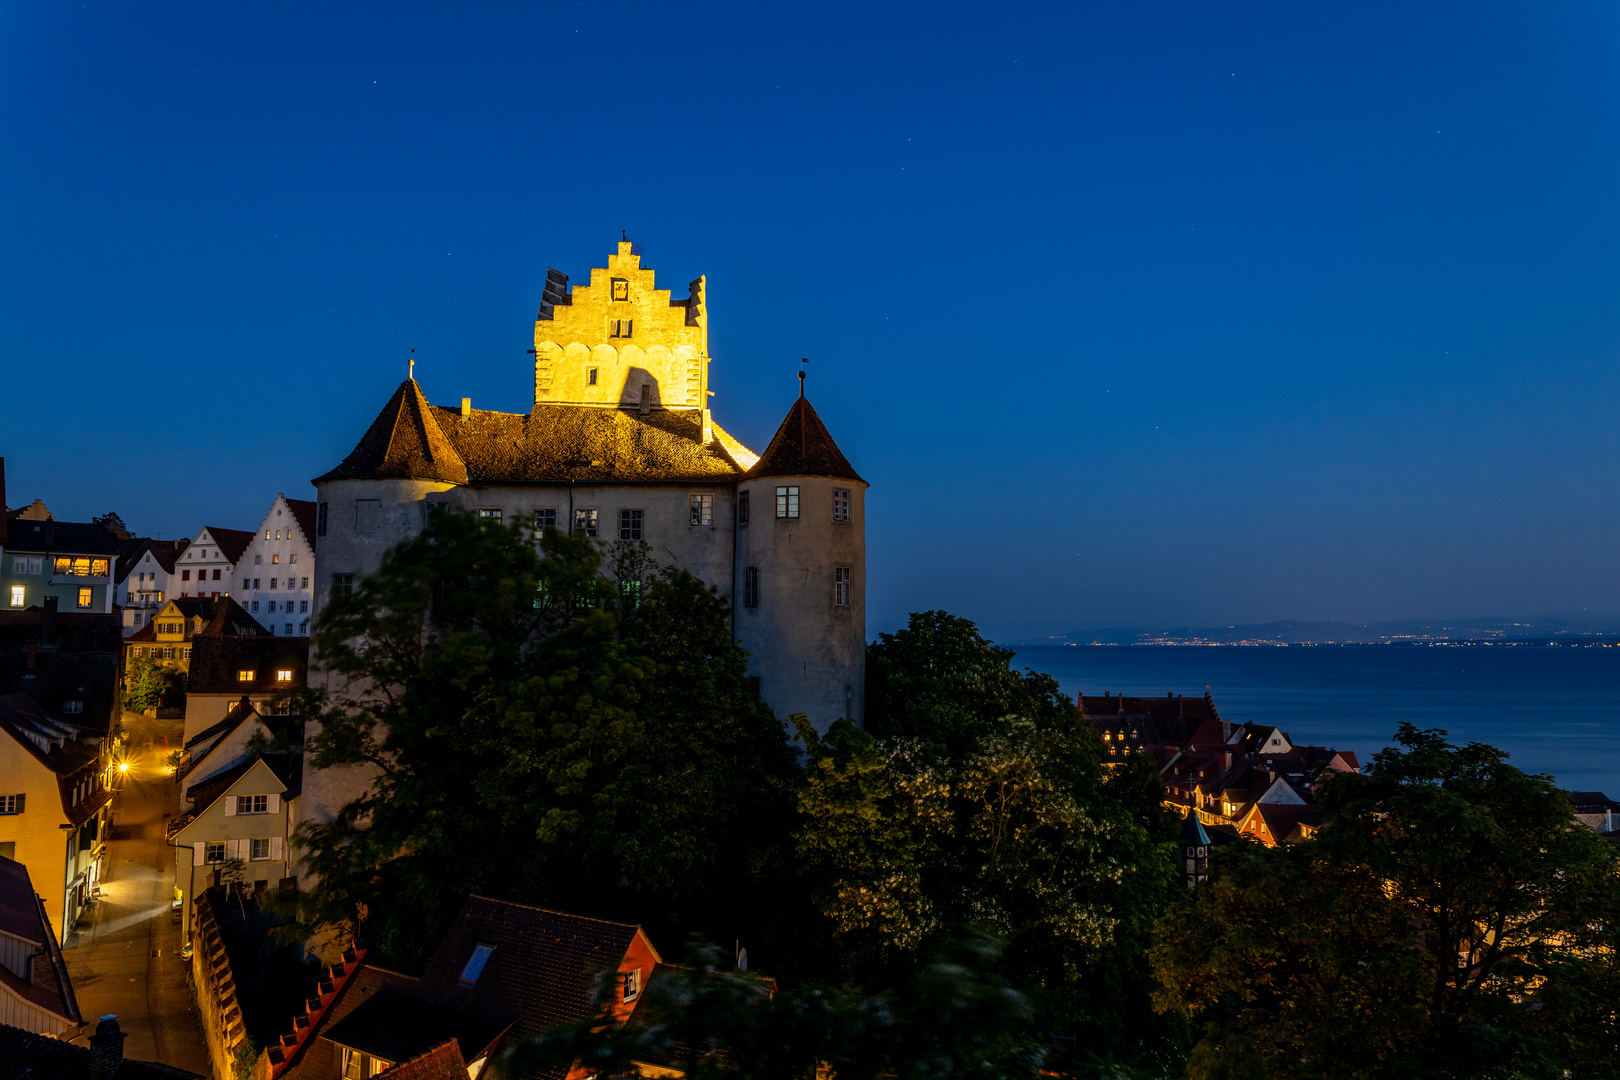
point(62, 537)
point(317, 1059)
point(550, 443)
point(541, 967)
point(288, 768)
point(231, 542)
point(215, 662)
point(57, 657)
point(22, 914)
point(1169, 720)
point(226, 618)
point(443, 1062)
point(40, 1057)
point(164, 553)
point(397, 1024)
point(303, 512)
point(1591, 802)
point(803, 446)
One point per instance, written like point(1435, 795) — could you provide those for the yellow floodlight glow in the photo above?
point(123, 766)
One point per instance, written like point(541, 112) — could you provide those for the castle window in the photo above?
point(702, 509)
point(841, 586)
point(545, 517)
point(590, 377)
point(742, 507)
point(585, 522)
point(367, 515)
point(621, 289)
point(629, 524)
point(320, 520)
point(840, 504)
point(751, 586)
point(490, 513)
point(342, 584)
point(619, 328)
point(787, 502)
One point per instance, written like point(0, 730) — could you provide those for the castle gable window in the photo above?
point(590, 377)
point(621, 289)
point(787, 502)
point(619, 328)
point(702, 509)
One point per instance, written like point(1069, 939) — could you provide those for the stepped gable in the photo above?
point(403, 443)
point(804, 447)
point(553, 443)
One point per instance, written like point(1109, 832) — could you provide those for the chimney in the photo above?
point(1080, 700)
point(1228, 757)
point(106, 1049)
point(708, 428)
point(466, 407)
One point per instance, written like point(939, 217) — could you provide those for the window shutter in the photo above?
point(21, 799)
point(277, 848)
point(242, 851)
point(274, 802)
point(199, 852)
point(230, 806)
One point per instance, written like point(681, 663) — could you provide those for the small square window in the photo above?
point(185, 575)
point(585, 521)
point(840, 504)
point(629, 524)
point(621, 289)
point(489, 513)
point(787, 502)
point(245, 674)
point(545, 517)
point(841, 586)
point(86, 597)
point(253, 804)
point(342, 584)
point(702, 509)
point(69, 707)
point(751, 586)
point(260, 850)
point(10, 804)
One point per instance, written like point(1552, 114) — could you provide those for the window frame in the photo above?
point(841, 504)
point(632, 523)
point(544, 517)
point(87, 597)
point(787, 502)
point(701, 510)
point(843, 577)
point(742, 507)
point(751, 586)
point(587, 519)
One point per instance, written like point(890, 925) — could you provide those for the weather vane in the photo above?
point(412, 374)
point(803, 360)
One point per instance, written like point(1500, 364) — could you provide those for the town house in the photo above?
point(35, 991)
point(142, 577)
point(276, 570)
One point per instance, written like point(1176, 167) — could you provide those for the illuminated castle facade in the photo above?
point(620, 444)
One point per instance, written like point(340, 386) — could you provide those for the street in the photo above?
point(124, 957)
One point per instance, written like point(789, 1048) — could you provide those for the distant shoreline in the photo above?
point(1581, 641)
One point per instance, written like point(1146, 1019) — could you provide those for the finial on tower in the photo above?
point(803, 360)
point(411, 373)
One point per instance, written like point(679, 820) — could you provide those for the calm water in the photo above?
point(1555, 709)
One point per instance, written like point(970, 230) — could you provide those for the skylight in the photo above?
point(475, 966)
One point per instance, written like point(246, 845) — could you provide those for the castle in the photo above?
point(620, 445)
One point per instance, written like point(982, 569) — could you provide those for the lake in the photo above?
point(1554, 708)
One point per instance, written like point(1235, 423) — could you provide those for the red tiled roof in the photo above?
point(803, 446)
point(443, 1062)
point(304, 513)
point(231, 542)
point(22, 914)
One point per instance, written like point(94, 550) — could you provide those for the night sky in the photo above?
point(1132, 314)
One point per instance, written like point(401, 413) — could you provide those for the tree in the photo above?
point(152, 684)
point(1450, 920)
point(113, 524)
point(543, 733)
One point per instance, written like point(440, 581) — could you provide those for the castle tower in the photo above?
point(800, 592)
point(621, 342)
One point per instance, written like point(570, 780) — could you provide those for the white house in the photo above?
point(276, 571)
point(143, 580)
point(208, 567)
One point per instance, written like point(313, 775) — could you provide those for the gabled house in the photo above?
point(142, 575)
point(223, 745)
point(35, 991)
point(503, 973)
point(168, 634)
point(224, 670)
point(277, 568)
point(208, 567)
point(54, 798)
point(68, 561)
point(244, 812)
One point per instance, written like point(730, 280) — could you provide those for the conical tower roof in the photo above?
point(1192, 831)
point(804, 447)
point(404, 442)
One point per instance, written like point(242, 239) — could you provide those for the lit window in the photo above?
point(840, 504)
point(260, 850)
point(632, 984)
point(284, 675)
point(245, 675)
point(253, 804)
point(585, 521)
point(742, 508)
point(490, 513)
point(621, 289)
point(86, 597)
point(72, 706)
point(293, 557)
point(841, 586)
point(702, 509)
point(787, 502)
point(629, 524)
point(17, 593)
point(475, 964)
point(342, 584)
point(275, 560)
point(751, 586)
point(630, 591)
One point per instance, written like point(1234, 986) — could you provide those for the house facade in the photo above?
point(168, 634)
point(228, 670)
point(208, 567)
point(142, 578)
point(620, 445)
point(36, 993)
point(70, 562)
point(276, 572)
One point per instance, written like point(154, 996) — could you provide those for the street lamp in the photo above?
point(123, 766)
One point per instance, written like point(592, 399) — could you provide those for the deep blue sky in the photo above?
point(1132, 314)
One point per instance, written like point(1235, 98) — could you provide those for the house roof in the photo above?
point(62, 538)
point(541, 968)
point(238, 713)
point(443, 1062)
point(226, 618)
point(1192, 831)
point(398, 1023)
point(22, 914)
point(1170, 720)
point(287, 768)
point(1284, 820)
point(231, 542)
point(1591, 802)
point(52, 743)
point(163, 552)
point(25, 1054)
point(215, 662)
point(803, 446)
point(550, 443)
point(303, 512)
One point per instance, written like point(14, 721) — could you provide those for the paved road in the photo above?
point(125, 956)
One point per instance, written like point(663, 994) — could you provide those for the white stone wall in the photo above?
point(275, 578)
point(203, 557)
point(144, 592)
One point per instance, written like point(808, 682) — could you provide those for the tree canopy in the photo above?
point(1451, 919)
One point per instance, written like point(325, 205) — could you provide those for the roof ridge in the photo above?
point(552, 911)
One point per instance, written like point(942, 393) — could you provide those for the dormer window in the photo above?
point(475, 965)
point(632, 984)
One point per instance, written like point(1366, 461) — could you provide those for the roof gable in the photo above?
point(803, 446)
point(231, 542)
point(404, 442)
